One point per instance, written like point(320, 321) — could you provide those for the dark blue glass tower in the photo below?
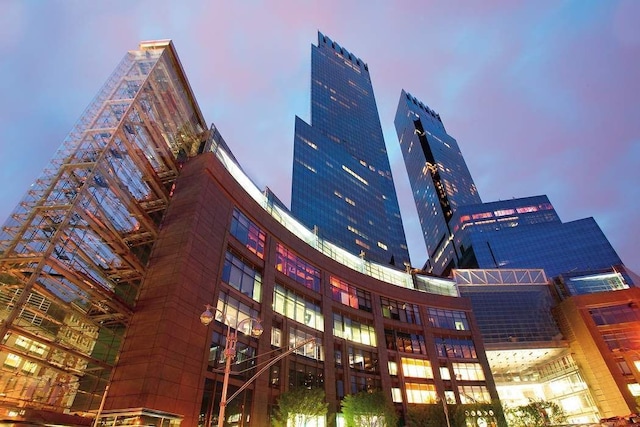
point(462, 232)
point(439, 177)
point(527, 233)
point(342, 182)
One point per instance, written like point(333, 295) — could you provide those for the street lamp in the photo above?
point(229, 351)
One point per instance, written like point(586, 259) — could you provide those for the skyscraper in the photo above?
point(462, 232)
point(527, 233)
point(439, 177)
point(342, 182)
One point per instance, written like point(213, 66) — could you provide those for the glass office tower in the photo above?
point(527, 233)
point(342, 183)
point(439, 177)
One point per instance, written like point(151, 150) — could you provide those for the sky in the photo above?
point(542, 96)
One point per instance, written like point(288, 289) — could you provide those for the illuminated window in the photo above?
point(416, 368)
point(504, 212)
point(405, 342)
point(468, 371)
point(12, 360)
point(297, 308)
point(396, 395)
point(312, 350)
point(350, 295)
point(474, 394)
point(421, 393)
point(527, 209)
point(276, 337)
point(382, 245)
point(393, 368)
point(296, 268)
point(29, 367)
point(634, 389)
point(352, 330)
point(248, 233)
point(231, 312)
point(482, 215)
point(444, 373)
point(355, 175)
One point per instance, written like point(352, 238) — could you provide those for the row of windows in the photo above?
point(296, 268)
point(242, 276)
point(616, 314)
point(247, 280)
point(448, 319)
point(231, 312)
point(456, 348)
point(297, 308)
point(363, 360)
point(405, 342)
point(405, 312)
point(350, 295)
point(248, 233)
point(352, 330)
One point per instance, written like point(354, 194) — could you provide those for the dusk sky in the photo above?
point(543, 97)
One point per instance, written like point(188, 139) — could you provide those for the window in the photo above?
point(312, 350)
point(352, 330)
point(448, 319)
point(12, 360)
point(361, 382)
point(276, 337)
point(231, 312)
point(456, 348)
point(297, 308)
point(350, 295)
point(416, 368)
point(405, 342)
point(405, 312)
point(363, 360)
point(303, 375)
point(474, 394)
point(421, 393)
point(615, 314)
point(242, 276)
point(248, 233)
point(468, 371)
point(296, 268)
point(393, 368)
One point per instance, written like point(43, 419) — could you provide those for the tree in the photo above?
point(298, 406)
point(537, 413)
point(429, 415)
point(368, 409)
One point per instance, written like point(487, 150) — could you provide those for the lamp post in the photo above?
point(229, 351)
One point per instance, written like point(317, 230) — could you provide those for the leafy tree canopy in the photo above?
point(368, 409)
point(299, 405)
point(537, 413)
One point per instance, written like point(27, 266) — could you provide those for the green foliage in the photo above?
point(368, 409)
point(426, 416)
point(299, 405)
point(537, 413)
